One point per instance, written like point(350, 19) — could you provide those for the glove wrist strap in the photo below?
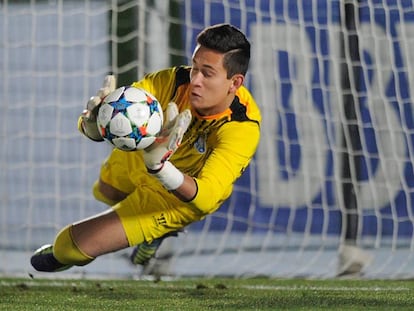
point(170, 176)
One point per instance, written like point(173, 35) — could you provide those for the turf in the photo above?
point(205, 294)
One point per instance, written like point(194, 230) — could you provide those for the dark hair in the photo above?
point(230, 41)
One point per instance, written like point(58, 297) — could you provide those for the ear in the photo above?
point(237, 81)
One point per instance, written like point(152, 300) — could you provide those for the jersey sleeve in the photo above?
point(236, 144)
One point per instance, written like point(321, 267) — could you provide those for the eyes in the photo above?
point(206, 72)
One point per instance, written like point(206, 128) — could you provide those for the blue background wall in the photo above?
point(378, 20)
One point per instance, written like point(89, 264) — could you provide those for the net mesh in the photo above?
point(290, 214)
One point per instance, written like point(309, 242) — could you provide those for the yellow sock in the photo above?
point(99, 196)
point(67, 252)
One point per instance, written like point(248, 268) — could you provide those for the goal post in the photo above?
point(327, 188)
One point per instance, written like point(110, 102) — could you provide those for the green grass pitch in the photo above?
point(205, 294)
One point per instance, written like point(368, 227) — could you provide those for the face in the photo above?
point(211, 91)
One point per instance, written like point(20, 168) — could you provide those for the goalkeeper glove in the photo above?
point(87, 120)
point(156, 156)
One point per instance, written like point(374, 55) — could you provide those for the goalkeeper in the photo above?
point(211, 133)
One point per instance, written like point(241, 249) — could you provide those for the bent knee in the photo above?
point(107, 194)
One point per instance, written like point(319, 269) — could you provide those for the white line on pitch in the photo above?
point(322, 288)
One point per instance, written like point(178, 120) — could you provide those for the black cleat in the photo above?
point(44, 261)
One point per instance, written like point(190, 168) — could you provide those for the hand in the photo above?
point(87, 120)
point(168, 140)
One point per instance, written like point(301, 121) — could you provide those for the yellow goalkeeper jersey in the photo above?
point(216, 149)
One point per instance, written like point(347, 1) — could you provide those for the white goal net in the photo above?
point(330, 190)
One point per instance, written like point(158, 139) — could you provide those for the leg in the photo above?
point(100, 234)
point(80, 243)
point(107, 194)
point(142, 253)
point(110, 192)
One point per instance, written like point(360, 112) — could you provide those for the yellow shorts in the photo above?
point(149, 211)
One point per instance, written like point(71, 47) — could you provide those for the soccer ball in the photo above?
point(130, 118)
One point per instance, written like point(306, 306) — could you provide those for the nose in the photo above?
point(196, 78)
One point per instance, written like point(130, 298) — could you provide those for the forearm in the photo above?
point(182, 185)
point(188, 189)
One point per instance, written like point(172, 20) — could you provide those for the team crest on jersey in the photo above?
point(201, 144)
